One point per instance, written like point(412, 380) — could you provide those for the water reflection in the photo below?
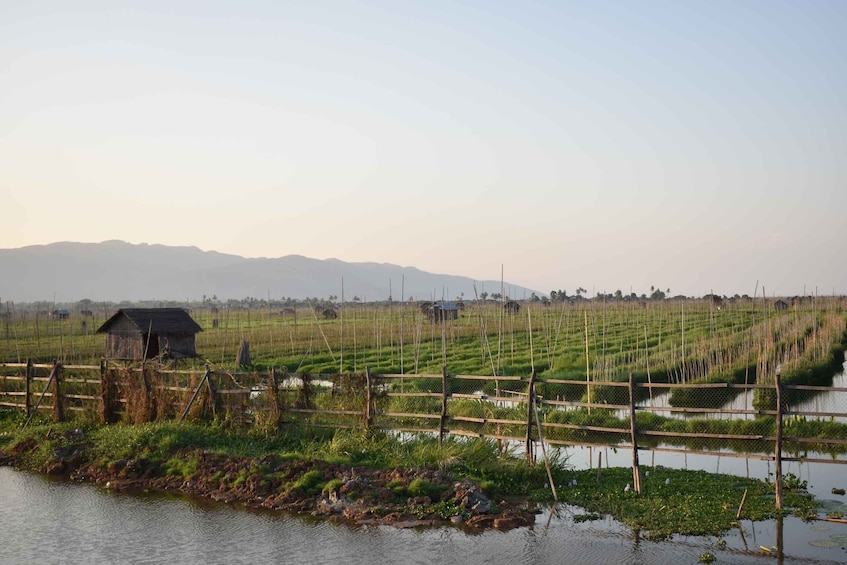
point(740, 406)
point(831, 402)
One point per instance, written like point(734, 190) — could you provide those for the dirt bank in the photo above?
point(401, 497)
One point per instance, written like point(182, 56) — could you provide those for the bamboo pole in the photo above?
point(369, 399)
point(778, 443)
point(599, 466)
point(544, 454)
point(530, 400)
point(402, 317)
point(444, 393)
point(741, 506)
point(647, 362)
point(587, 365)
point(636, 471)
point(28, 385)
point(196, 392)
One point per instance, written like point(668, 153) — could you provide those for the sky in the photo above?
point(692, 146)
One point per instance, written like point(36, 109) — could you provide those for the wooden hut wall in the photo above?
point(124, 346)
point(124, 341)
point(178, 345)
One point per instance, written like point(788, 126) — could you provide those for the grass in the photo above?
point(159, 443)
point(310, 482)
point(672, 501)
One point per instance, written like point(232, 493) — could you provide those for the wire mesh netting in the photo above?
point(739, 420)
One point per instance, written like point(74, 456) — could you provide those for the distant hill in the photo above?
point(116, 271)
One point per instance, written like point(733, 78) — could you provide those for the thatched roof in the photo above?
point(155, 320)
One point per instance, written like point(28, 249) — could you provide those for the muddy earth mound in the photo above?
point(401, 497)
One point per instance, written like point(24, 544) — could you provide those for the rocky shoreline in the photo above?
point(400, 497)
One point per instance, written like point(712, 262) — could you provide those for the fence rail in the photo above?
point(772, 422)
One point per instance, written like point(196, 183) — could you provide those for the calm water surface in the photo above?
point(44, 521)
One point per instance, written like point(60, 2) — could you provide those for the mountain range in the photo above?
point(117, 270)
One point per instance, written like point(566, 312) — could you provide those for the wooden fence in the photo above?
point(528, 410)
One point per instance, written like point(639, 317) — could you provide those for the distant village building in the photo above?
point(145, 333)
point(440, 311)
point(512, 307)
point(780, 305)
point(60, 314)
point(714, 299)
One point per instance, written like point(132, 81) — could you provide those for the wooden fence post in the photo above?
point(214, 399)
point(369, 399)
point(273, 396)
point(636, 470)
point(146, 401)
point(530, 403)
point(106, 396)
point(27, 390)
point(445, 391)
point(778, 446)
point(58, 408)
point(34, 410)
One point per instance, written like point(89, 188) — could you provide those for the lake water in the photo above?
point(46, 521)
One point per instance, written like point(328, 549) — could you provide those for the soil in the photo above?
point(359, 495)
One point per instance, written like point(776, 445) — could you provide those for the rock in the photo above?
point(222, 496)
point(117, 466)
point(472, 498)
point(509, 522)
point(133, 469)
point(480, 521)
point(414, 524)
point(332, 506)
point(352, 485)
point(56, 467)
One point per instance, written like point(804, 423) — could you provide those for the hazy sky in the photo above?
point(697, 146)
